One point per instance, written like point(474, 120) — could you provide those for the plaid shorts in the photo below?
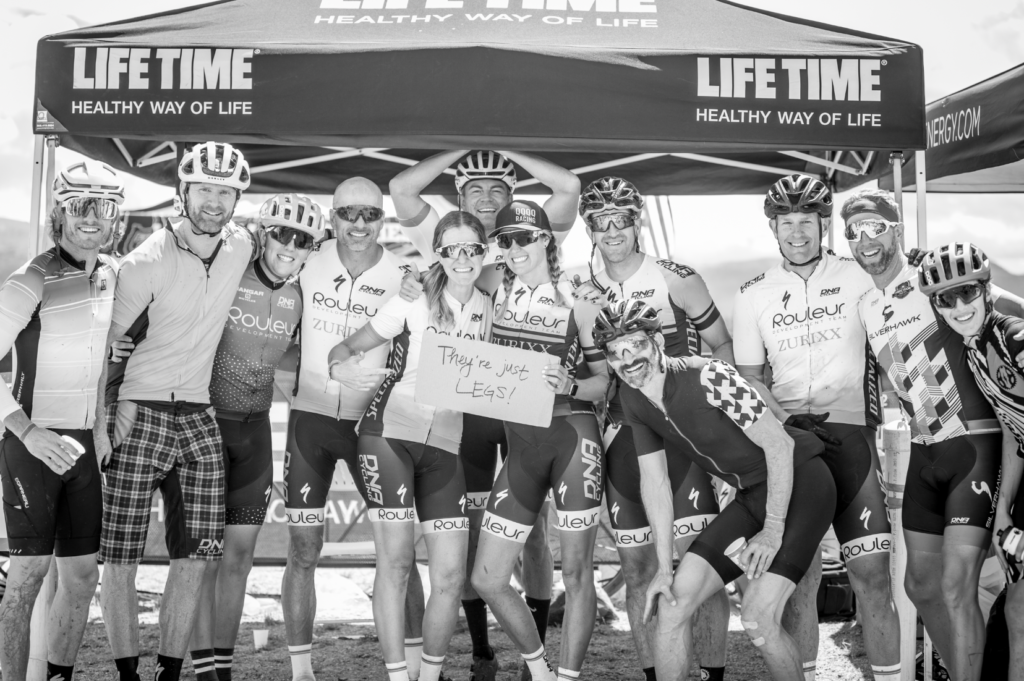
point(180, 455)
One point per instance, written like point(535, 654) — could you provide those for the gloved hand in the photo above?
point(810, 423)
point(916, 256)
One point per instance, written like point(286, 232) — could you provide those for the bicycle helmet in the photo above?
point(952, 265)
point(215, 163)
point(624, 318)
point(798, 194)
point(485, 165)
point(610, 192)
point(88, 179)
point(296, 211)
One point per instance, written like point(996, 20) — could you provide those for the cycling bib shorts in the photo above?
point(566, 458)
point(248, 469)
point(46, 513)
point(483, 440)
point(694, 501)
point(408, 480)
point(315, 445)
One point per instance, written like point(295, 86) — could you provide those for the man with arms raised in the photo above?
point(485, 181)
point(705, 411)
point(55, 313)
point(173, 295)
point(611, 208)
point(801, 318)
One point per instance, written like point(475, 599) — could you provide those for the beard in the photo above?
point(205, 223)
point(882, 264)
point(644, 371)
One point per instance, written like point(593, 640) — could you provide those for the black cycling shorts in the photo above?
point(811, 508)
point(694, 501)
point(566, 458)
point(861, 521)
point(315, 445)
point(46, 513)
point(248, 469)
point(483, 439)
point(400, 476)
point(954, 483)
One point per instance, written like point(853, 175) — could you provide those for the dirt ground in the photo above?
point(350, 653)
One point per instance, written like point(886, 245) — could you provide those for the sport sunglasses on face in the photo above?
point(285, 235)
point(634, 345)
point(602, 223)
point(106, 209)
point(353, 213)
point(470, 248)
point(521, 239)
point(968, 293)
point(873, 228)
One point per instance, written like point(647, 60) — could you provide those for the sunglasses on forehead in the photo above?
point(946, 300)
point(521, 239)
point(353, 213)
point(286, 235)
point(872, 228)
point(105, 209)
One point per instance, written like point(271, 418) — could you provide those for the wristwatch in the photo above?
point(574, 388)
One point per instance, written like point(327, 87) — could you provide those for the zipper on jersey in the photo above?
point(344, 335)
point(672, 423)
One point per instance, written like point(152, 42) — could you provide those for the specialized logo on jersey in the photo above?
point(401, 493)
point(519, 294)
point(785, 301)
point(615, 512)
point(562, 489)
point(887, 313)
point(500, 497)
point(983, 488)
point(305, 492)
point(903, 290)
point(865, 515)
point(694, 496)
point(725, 389)
point(338, 281)
point(462, 503)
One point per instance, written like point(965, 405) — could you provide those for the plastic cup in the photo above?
point(259, 638)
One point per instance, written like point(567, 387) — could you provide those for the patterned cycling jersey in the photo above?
point(534, 321)
point(992, 357)
point(811, 334)
point(394, 412)
point(56, 316)
point(262, 323)
point(926, 362)
point(708, 405)
point(334, 306)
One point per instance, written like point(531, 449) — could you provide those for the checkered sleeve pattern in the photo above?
point(727, 390)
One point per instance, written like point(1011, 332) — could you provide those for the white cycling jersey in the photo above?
point(811, 334)
point(334, 306)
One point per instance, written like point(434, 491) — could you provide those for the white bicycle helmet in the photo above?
point(215, 163)
point(952, 265)
point(485, 165)
point(88, 180)
point(296, 211)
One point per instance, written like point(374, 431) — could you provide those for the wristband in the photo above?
point(28, 429)
point(776, 522)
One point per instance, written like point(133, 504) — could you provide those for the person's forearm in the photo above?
point(766, 395)
point(779, 456)
point(1012, 466)
point(593, 389)
point(551, 175)
point(339, 353)
point(17, 422)
point(724, 352)
point(1008, 303)
point(413, 180)
point(657, 498)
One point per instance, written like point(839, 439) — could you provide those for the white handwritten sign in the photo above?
point(481, 378)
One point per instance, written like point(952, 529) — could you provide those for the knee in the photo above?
point(872, 583)
point(638, 574)
point(449, 580)
point(82, 579)
point(958, 589)
point(237, 559)
point(304, 552)
point(118, 576)
point(487, 583)
point(577, 577)
point(758, 619)
point(920, 586)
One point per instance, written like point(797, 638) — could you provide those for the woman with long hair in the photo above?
point(408, 452)
point(535, 312)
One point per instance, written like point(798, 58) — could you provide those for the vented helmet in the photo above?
point(88, 179)
point(215, 163)
point(798, 194)
point(485, 165)
point(610, 193)
point(624, 318)
point(296, 211)
point(952, 265)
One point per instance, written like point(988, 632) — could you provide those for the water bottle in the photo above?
point(735, 549)
point(1009, 540)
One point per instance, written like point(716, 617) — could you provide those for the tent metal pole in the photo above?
point(52, 142)
point(896, 159)
point(37, 194)
point(735, 164)
point(922, 200)
point(833, 165)
point(599, 166)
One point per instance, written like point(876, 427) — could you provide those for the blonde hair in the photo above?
point(435, 279)
point(554, 271)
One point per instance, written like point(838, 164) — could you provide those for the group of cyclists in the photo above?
point(157, 371)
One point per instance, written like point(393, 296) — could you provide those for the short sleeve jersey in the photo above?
point(992, 357)
point(262, 324)
point(708, 405)
point(56, 317)
point(394, 411)
point(926, 362)
point(176, 306)
point(334, 306)
point(811, 334)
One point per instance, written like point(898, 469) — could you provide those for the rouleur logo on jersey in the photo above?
point(808, 315)
point(867, 546)
point(343, 305)
point(578, 521)
point(251, 321)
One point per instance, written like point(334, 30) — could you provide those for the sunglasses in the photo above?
point(521, 239)
point(105, 209)
point(634, 345)
point(873, 228)
point(471, 249)
point(946, 300)
point(286, 235)
point(620, 221)
point(353, 213)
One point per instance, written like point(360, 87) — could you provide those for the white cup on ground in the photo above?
point(259, 638)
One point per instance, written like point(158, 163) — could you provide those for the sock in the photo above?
point(712, 674)
point(539, 609)
point(397, 671)
point(127, 668)
point(538, 665)
point(431, 669)
point(413, 653)
point(167, 668)
point(810, 669)
point(56, 672)
point(567, 674)
point(203, 665)
point(302, 661)
point(222, 658)
point(649, 674)
point(476, 620)
point(886, 673)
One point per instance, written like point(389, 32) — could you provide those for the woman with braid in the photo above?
point(534, 311)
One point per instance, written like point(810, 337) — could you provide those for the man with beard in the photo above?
point(173, 294)
point(953, 481)
point(800, 318)
point(705, 411)
point(611, 208)
point(55, 313)
point(485, 181)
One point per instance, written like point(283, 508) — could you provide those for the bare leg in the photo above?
point(800, 614)
point(492, 573)
point(206, 609)
point(239, 548)
point(711, 621)
point(23, 584)
point(538, 564)
point(395, 557)
point(761, 616)
point(869, 576)
point(120, 605)
point(580, 596)
point(694, 582)
point(476, 519)
point(447, 551)
point(923, 583)
point(961, 568)
point(178, 605)
point(1014, 611)
point(76, 586)
point(298, 595)
point(638, 564)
